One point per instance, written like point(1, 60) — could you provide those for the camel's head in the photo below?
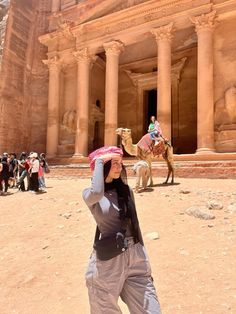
point(123, 133)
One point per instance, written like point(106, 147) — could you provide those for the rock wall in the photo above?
point(4, 7)
point(23, 101)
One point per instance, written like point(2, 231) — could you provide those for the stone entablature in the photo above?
point(148, 15)
point(131, 23)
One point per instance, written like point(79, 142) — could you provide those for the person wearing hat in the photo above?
point(33, 171)
point(118, 265)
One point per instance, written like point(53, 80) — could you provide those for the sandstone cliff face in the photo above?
point(23, 94)
point(4, 7)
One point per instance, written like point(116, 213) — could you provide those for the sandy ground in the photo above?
point(46, 240)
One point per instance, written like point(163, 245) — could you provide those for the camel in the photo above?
point(134, 150)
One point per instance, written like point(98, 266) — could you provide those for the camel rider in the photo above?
point(154, 130)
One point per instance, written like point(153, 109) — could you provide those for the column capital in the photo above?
point(113, 47)
point(163, 33)
point(83, 55)
point(204, 21)
point(53, 63)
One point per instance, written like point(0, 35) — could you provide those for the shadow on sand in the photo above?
point(149, 189)
point(160, 185)
point(165, 184)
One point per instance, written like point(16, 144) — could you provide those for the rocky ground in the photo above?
point(46, 240)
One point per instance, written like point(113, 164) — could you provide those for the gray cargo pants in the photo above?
point(129, 276)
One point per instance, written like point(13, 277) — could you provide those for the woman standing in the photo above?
point(42, 167)
point(119, 265)
point(33, 170)
point(23, 167)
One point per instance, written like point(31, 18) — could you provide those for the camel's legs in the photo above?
point(138, 178)
point(145, 177)
point(170, 166)
point(168, 175)
point(172, 179)
point(150, 167)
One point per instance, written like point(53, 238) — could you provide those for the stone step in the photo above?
point(214, 170)
point(197, 158)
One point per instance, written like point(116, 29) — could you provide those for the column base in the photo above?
point(205, 151)
point(78, 155)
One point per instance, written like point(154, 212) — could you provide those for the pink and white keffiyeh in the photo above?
point(103, 151)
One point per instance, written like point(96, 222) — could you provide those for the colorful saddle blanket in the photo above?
point(147, 144)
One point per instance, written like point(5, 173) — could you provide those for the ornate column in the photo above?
point(204, 26)
point(113, 50)
point(163, 38)
point(82, 102)
point(54, 65)
point(55, 6)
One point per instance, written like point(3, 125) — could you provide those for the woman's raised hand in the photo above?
point(107, 157)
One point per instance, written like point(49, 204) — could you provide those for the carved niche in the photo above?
point(96, 127)
point(225, 122)
point(68, 127)
point(225, 109)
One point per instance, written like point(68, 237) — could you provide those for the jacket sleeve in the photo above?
point(95, 193)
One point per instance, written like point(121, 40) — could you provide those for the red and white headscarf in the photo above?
point(103, 151)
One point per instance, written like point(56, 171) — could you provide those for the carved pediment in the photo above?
point(113, 6)
point(87, 11)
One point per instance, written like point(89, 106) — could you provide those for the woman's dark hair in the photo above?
point(125, 201)
point(23, 155)
point(152, 117)
point(121, 187)
point(4, 159)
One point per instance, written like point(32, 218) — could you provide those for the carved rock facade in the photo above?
point(119, 61)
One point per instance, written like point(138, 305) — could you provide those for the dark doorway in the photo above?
point(150, 107)
point(96, 140)
point(98, 135)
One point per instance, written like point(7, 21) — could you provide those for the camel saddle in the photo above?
point(147, 144)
